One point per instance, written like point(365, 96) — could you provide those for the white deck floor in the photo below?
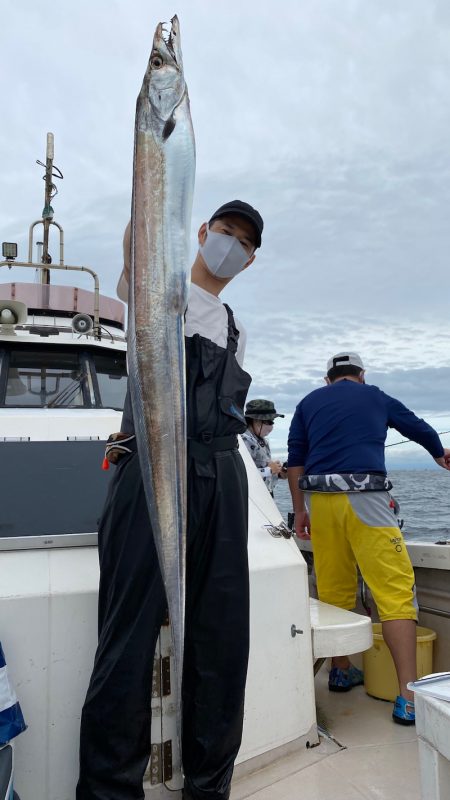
point(370, 759)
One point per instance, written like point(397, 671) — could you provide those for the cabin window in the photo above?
point(46, 379)
point(111, 373)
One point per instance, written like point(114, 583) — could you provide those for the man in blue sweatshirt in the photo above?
point(336, 457)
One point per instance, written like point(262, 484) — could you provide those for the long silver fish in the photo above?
point(163, 184)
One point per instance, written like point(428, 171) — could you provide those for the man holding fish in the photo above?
point(115, 744)
point(179, 494)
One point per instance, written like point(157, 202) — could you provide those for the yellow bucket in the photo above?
point(380, 677)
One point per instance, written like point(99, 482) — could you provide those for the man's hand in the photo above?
point(283, 474)
point(112, 455)
point(302, 525)
point(444, 461)
point(275, 467)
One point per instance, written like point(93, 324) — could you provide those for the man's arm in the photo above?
point(124, 280)
point(297, 451)
point(242, 343)
point(405, 422)
point(298, 500)
point(301, 518)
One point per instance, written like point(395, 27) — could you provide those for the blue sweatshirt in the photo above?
point(342, 428)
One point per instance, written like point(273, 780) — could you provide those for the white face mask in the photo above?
point(265, 430)
point(223, 255)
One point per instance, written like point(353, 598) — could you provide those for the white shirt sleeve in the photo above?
point(241, 343)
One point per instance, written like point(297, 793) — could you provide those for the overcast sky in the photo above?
point(332, 117)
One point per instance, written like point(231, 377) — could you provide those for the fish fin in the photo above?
point(168, 128)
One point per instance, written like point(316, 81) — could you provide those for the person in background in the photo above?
point(260, 416)
point(336, 456)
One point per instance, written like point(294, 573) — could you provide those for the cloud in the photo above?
point(425, 389)
point(333, 122)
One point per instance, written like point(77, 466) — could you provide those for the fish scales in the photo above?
point(163, 182)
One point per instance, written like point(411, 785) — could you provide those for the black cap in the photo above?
point(243, 210)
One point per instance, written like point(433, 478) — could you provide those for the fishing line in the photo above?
point(404, 441)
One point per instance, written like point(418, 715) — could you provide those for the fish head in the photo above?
point(164, 87)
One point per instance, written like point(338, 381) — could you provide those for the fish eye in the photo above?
point(156, 62)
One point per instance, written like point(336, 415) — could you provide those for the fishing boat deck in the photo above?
point(363, 755)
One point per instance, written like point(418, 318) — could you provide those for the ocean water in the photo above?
point(424, 497)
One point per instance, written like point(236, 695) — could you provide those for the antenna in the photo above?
point(47, 213)
point(44, 263)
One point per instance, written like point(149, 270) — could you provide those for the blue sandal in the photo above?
point(342, 680)
point(404, 712)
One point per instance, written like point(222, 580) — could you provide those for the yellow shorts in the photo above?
point(359, 528)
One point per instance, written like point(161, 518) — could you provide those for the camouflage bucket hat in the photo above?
point(261, 409)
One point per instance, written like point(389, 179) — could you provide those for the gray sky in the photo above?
point(331, 116)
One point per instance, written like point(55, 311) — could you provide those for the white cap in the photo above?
point(345, 359)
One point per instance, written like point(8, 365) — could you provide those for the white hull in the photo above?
point(48, 623)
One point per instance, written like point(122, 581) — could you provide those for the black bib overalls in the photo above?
point(115, 725)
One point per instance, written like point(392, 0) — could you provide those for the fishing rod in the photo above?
point(404, 441)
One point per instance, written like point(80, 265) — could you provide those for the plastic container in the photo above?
point(380, 677)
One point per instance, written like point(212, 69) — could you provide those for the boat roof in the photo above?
point(63, 300)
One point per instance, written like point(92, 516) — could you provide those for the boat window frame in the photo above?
point(4, 367)
point(91, 392)
point(87, 386)
point(93, 370)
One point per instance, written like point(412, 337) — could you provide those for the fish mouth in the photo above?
point(169, 41)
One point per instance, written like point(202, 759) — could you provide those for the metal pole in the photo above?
point(47, 214)
point(438, 612)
